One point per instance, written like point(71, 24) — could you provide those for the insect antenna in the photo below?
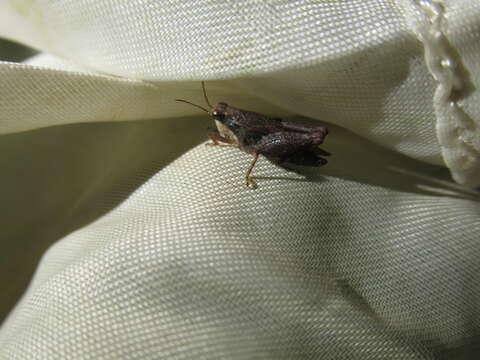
point(206, 100)
point(198, 106)
point(205, 95)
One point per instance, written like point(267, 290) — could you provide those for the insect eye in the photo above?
point(217, 115)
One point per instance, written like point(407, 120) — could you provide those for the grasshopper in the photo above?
point(281, 141)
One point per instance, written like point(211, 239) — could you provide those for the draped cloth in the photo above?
point(145, 244)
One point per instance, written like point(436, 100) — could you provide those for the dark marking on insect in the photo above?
point(278, 140)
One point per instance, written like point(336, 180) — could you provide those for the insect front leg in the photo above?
point(216, 138)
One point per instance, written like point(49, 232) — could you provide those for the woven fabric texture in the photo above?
point(151, 245)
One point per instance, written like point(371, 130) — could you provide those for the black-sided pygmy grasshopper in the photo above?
point(278, 140)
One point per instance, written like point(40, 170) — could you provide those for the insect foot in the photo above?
point(251, 183)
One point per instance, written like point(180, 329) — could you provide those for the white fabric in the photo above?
point(159, 250)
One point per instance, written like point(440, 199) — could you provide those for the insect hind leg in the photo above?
point(248, 177)
point(307, 157)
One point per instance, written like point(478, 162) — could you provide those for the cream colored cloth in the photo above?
point(159, 251)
